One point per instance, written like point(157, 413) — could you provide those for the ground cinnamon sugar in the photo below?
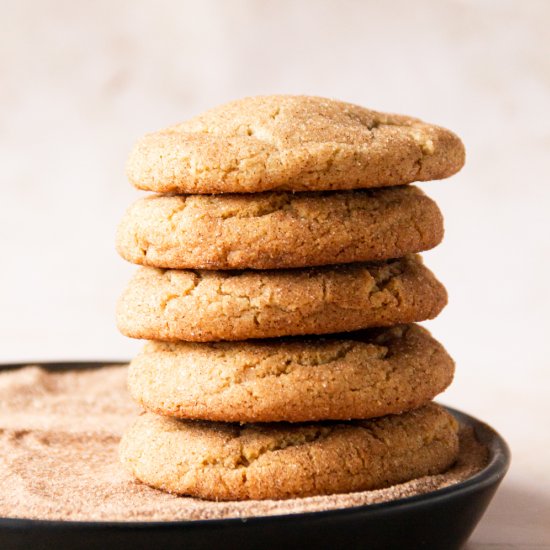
point(59, 433)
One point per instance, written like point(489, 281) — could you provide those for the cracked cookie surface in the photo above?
point(293, 143)
point(354, 375)
point(205, 306)
point(278, 230)
point(221, 461)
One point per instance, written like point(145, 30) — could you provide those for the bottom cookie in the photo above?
point(219, 461)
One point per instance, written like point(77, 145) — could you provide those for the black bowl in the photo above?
point(442, 519)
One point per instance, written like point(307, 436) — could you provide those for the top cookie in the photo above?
point(292, 143)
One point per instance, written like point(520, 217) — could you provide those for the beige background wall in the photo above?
point(80, 81)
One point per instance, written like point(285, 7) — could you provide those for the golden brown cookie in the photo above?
point(292, 143)
point(278, 230)
point(220, 461)
point(353, 375)
point(204, 306)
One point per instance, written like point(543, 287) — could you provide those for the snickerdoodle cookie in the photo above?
point(220, 461)
point(293, 143)
point(278, 230)
point(204, 306)
point(354, 375)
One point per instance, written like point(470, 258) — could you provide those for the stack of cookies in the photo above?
point(279, 290)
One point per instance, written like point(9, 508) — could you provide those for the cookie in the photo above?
point(205, 306)
point(221, 461)
point(292, 143)
point(278, 230)
point(354, 375)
